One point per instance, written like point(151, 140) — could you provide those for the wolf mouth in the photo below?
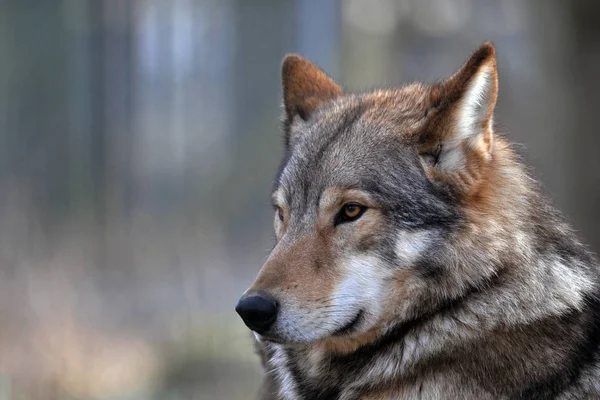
point(348, 327)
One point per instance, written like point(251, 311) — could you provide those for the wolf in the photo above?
point(415, 257)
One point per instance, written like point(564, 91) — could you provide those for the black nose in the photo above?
point(258, 311)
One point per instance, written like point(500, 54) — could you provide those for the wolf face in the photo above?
point(373, 194)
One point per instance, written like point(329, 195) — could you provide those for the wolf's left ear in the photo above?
point(305, 87)
point(460, 136)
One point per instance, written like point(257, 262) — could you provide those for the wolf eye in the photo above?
point(280, 214)
point(350, 212)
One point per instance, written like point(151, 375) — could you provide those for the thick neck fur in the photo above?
point(504, 286)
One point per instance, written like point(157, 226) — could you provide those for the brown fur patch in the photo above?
point(348, 344)
point(484, 201)
point(406, 285)
point(293, 270)
point(305, 86)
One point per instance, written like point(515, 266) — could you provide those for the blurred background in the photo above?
point(139, 140)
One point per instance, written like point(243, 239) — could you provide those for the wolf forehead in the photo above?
point(399, 112)
point(364, 142)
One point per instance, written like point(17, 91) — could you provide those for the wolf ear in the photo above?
point(305, 87)
point(460, 128)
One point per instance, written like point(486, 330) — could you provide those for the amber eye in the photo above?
point(350, 212)
point(280, 214)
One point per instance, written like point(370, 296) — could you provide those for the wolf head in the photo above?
point(373, 194)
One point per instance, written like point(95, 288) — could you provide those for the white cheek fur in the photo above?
point(411, 245)
point(365, 275)
point(362, 285)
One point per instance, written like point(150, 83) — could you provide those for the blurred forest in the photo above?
point(139, 140)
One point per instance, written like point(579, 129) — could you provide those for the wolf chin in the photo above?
point(415, 256)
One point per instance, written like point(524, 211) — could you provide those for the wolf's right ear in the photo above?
point(305, 87)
